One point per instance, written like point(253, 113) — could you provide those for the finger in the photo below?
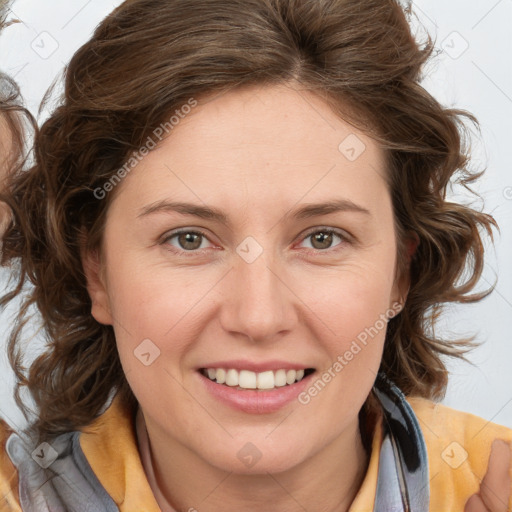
point(496, 485)
point(475, 504)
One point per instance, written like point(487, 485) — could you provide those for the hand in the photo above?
point(496, 487)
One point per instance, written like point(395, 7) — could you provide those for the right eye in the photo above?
point(188, 241)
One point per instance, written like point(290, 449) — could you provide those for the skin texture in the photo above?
point(5, 148)
point(496, 485)
point(257, 154)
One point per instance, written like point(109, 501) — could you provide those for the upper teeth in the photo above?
point(251, 380)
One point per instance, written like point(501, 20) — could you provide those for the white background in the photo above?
point(472, 71)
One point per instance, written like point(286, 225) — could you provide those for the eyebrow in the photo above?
point(210, 213)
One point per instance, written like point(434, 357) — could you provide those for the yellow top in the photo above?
point(458, 447)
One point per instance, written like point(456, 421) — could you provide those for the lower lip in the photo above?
point(253, 401)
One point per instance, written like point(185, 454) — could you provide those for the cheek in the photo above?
point(353, 296)
point(357, 316)
point(352, 307)
point(155, 330)
point(151, 304)
point(160, 314)
point(353, 312)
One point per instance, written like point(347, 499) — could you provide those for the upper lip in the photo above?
point(243, 364)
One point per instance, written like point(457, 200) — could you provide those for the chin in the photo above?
point(250, 460)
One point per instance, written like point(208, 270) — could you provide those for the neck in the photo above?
point(328, 480)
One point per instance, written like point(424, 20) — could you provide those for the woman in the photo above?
point(238, 240)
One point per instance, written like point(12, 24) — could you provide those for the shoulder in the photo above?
point(458, 446)
point(439, 421)
point(49, 476)
point(9, 497)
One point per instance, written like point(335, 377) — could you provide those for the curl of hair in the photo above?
point(147, 59)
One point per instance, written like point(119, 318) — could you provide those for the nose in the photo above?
point(258, 301)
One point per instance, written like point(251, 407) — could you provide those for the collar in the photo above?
point(110, 446)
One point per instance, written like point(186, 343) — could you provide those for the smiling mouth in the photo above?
point(248, 380)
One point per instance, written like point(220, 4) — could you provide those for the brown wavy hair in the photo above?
point(147, 59)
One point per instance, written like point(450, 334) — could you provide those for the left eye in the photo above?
point(322, 239)
point(191, 241)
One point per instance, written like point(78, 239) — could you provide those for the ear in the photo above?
point(403, 281)
point(96, 286)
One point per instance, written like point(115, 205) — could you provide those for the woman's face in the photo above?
point(268, 283)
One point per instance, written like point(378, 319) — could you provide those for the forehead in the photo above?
point(276, 143)
point(277, 118)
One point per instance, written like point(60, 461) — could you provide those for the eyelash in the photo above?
point(325, 230)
